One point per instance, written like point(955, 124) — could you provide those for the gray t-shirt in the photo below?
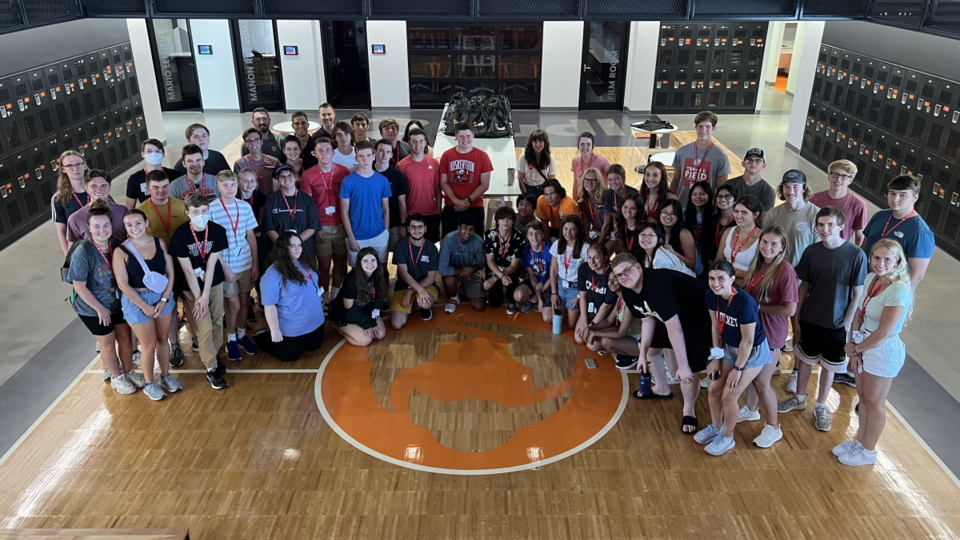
point(832, 275)
point(713, 162)
point(181, 187)
point(88, 266)
point(801, 228)
point(761, 190)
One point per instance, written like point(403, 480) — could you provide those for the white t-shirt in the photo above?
point(533, 177)
point(568, 266)
point(348, 161)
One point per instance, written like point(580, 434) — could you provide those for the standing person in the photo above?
point(725, 199)
point(292, 301)
point(195, 179)
point(411, 127)
point(536, 164)
point(360, 123)
point(365, 202)
point(674, 314)
point(735, 365)
point(271, 145)
point(417, 264)
point(597, 301)
point(653, 190)
point(98, 188)
point(553, 207)
point(567, 254)
point(700, 161)
point(71, 193)
point(241, 264)
point(628, 223)
point(503, 247)
point(739, 244)
point(535, 264)
point(874, 346)
point(301, 130)
point(147, 302)
point(423, 180)
point(700, 218)
point(390, 131)
point(96, 299)
point(751, 182)
point(587, 160)
point(322, 183)
point(676, 238)
point(592, 211)
point(345, 154)
point(398, 192)
point(797, 216)
point(461, 258)
point(290, 209)
point(653, 253)
point(292, 156)
point(840, 175)
point(526, 205)
point(213, 161)
point(203, 276)
point(263, 164)
point(250, 193)
point(359, 309)
point(151, 150)
point(328, 117)
point(464, 178)
point(613, 198)
point(831, 275)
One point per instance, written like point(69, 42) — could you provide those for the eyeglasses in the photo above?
point(301, 123)
point(665, 214)
point(416, 227)
point(623, 275)
point(587, 179)
point(648, 236)
point(753, 161)
point(838, 176)
point(725, 197)
point(252, 141)
point(73, 166)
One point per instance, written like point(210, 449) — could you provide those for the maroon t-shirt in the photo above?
point(853, 207)
point(784, 288)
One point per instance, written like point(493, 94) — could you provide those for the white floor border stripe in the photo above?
point(230, 371)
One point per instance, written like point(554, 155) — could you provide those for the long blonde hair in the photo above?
point(762, 292)
point(598, 192)
point(900, 275)
point(64, 188)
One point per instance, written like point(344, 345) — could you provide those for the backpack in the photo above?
point(65, 269)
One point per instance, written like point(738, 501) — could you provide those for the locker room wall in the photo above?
point(39, 46)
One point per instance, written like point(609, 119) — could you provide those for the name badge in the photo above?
point(199, 272)
point(590, 308)
point(143, 188)
point(320, 292)
point(716, 352)
point(594, 234)
point(375, 314)
point(330, 210)
point(857, 337)
point(425, 258)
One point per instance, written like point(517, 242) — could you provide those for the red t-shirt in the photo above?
point(784, 288)
point(324, 188)
point(463, 172)
point(423, 177)
point(853, 207)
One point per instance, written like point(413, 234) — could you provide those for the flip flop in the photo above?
point(689, 421)
point(651, 395)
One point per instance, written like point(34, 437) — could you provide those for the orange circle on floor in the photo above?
point(471, 393)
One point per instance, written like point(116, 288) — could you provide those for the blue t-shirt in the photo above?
point(540, 262)
point(914, 235)
point(366, 196)
point(428, 259)
point(299, 307)
point(742, 309)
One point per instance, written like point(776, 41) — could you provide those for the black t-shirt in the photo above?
point(256, 201)
point(503, 256)
point(426, 258)
point(598, 292)
point(214, 163)
point(62, 213)
point(613, 201)
point(668, 293)
point(297, 213)
point(137, 184)
point(359, 314)
point(183, 245)
point(269, 146)
point(398, 187)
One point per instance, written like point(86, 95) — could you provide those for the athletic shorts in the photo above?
point(134, 315)
point(334, 241)
point(886, 359)
point(397, 303)
point(242, 285)
point(379, 243)
point(472, 286)
point(697, 340)
point(97, 329)
point(822, 345)
point(759, 355)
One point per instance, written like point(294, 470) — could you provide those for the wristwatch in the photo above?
point(737, 368)
point(469, 200)
point(164, 299)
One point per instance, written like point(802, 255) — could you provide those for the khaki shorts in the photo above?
point(334, 241)
point(241, 285)
point(397, 303)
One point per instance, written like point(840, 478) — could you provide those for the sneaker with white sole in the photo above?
point(792, 383)
point(845, 378)
point(451, 305)
point(248, 346)
point(859, 456)
point(136, 379)
point(136, 358)
point(792, 403)
point(707, 434)
point(527, 307)
point(821, 417)
point(195, 344)
point(426, 314)
point(626, 362)
point(216, 380)
point(788, 345)
point(844, 447)
point(768, 436)
point(671, 380)
point(512, 308)
point(154, 392)
point(705, 382)
point(122, 385)
point(746, 415)
point(106, 376)
point(176, 355)
point(720, 445)
point(172, 385)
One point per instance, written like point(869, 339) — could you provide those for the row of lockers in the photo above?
point(725, 44)
point(698, 89)
point(831, 134)
point(89, 103)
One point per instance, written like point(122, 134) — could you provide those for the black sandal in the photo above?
point(689, 421)
point(651, 395)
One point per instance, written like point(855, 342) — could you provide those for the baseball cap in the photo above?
point(754, 152)
point(795, 176)
point(281, 168)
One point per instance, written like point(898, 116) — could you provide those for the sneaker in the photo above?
point(248, 345)
point(233, 352)
point(512, 308)
point(136, 358)
point(845, 378)
point(707, 434)
point(792, 383)
point(426, 314)
point(172, 385)
point(705, 382)
point(451, 305)
point(777, 372)
point(792, 403)
point(195, 344)
point(746, 415)
point(527, 307)
point(768, 436)
point(251, 314)
point(136, 379)
point(822, 417)
point(844, 447)
point(216, 380)
point(626, 362)
point(859, 456)
point(788, 346)
point(98, 347)
point(220, 367)
point(720, 445)
point(154, 392)
point(671, 380)
point(176, 356)
point(106, 375)
point(122, 385)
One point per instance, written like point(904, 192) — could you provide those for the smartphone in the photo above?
point(591, 364)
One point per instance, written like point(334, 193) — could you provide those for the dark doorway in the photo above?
point(258, 65)
point(176, 69)
point(604, 73)
point(347, 69)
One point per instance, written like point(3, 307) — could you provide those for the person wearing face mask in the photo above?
point(751, 182)
point(653, 191)
point(586, 160)
point(536, 165)
point(345, 155)
point(152, 152)
point(196, 179)
point(98, 188)
point(359, 309)
point(261, 163)
point(613, 198)
point(271, 144)
point(213, 161)
point(71, 193)
point(398, 192)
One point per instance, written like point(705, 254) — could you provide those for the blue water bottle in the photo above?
point(557, 323)
point(646, 383)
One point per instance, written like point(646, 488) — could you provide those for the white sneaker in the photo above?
point(844, 447)
point(707, 434)
point(792, 383)
point(136, 358)
point(705, 382)
point(859, 456)
point(768, 436)
point(452, 305)
point(788, 345)
point(746, 415)
point(136, 379)
point(671, 380)
point(122, 385)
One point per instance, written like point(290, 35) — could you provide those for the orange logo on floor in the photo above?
point(474, 393)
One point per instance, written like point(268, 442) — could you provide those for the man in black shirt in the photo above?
point(152, 152)
point(417, 264)
point(328, 117)
point(270, 143)
point(503, 247)
point(290, 209)
point(213, 161)
point(308, 142)
point(674, 314)
point(390, 131)
point(398, 191)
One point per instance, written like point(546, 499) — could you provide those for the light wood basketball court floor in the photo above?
point(471, 395)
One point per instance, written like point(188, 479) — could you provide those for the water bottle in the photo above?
point(646, 383)
point(557, 323)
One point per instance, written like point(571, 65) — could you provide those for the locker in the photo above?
point(859, 152)
point(909, 158)
point(26, 125)
point(13, 209)
point(944, 135)
point(757, 35)
point(937, 179)
point(732, 89)
point(71, 91)
point(130, 71)
point(53, 149)
point(721, 44)
point(26, 181)
point(59, 118)
point(714, 88)
point(921, 119)
point(5, 194)
point(685, 45)
point(810, 147)
point(140, 123)
point(950, 231)
point(703, 45)
point(876, 181)
point(679, 88)
point(751, 88)
point(661, 87)
point(668, 45)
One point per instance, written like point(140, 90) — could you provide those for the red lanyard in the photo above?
point(166, 224)
point(696, 232)
point(414, 260)
point(259, 172)
point(648, 262)
point(373, 291)
point(886, 232)
point(202, 248)
point(592, 209)
point(203, 184)
point(629, 239)
point(538, 262)
point(871, 292)
point(755, 280)
point(735, 249)
point(292, 211)
point(593, 284)
point(109, 265)
point(309, 276)
point(504, 245)
point(233, 225)
point(566, 260)
point(698, 162)
point(720, 230)
point(722, 316)
point(74, 193)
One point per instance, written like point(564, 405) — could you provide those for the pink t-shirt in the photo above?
point(423, 177)
point(853, 207)
point(579, 167)
point(784, 288)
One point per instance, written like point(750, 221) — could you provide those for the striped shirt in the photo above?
point(237, 218)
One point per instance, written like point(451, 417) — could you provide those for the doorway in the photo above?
point(255, 49)
point(347, 67)
point(173, 59)
point(603, 77)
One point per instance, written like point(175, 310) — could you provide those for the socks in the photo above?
point(231, 337)
point(241, 332)
point(334, 291)
point(455, 298)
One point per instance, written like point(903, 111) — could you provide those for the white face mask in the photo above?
point(200, 221)
point(153, 158)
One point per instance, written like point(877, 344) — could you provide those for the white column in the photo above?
point(146, 78)
point(561, 65)
point(771, 57)
point(803, 35)
point(641, 65)
point(304, 82)
point(217, 72)
point(805, 52)
point(390, 72)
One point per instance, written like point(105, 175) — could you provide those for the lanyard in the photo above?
point(566, 260)
point(259, 172)
point(722, 316)
point(871, 292)
point(201, 248)
point(166, 224)
point(74, 193)
point(755, 280)
point(698, 161)
point(203, 184)
point(592, 209)
point(615, 207)
point(292, 211)
point(886, 232)
point(539, 262)
point(720, 229)
point(413, 261)
point(373, 291)
point(735, 249)
point(696, 232)
point(629, 239)
point(648, 262)
point(110, 249)
point(504, 245)
point(593, 284)
point(233, 225)
point(309, 275)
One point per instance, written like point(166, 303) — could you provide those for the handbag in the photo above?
point(155, 281)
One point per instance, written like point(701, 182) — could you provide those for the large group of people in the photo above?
point(685, 275)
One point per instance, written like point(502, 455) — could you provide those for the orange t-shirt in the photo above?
point(554, 216)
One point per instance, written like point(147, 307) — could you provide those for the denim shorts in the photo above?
point(886, 359)
point(759, 355)
point(569, 295)
point(134, 315)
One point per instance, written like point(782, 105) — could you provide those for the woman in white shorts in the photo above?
point(874, 347)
